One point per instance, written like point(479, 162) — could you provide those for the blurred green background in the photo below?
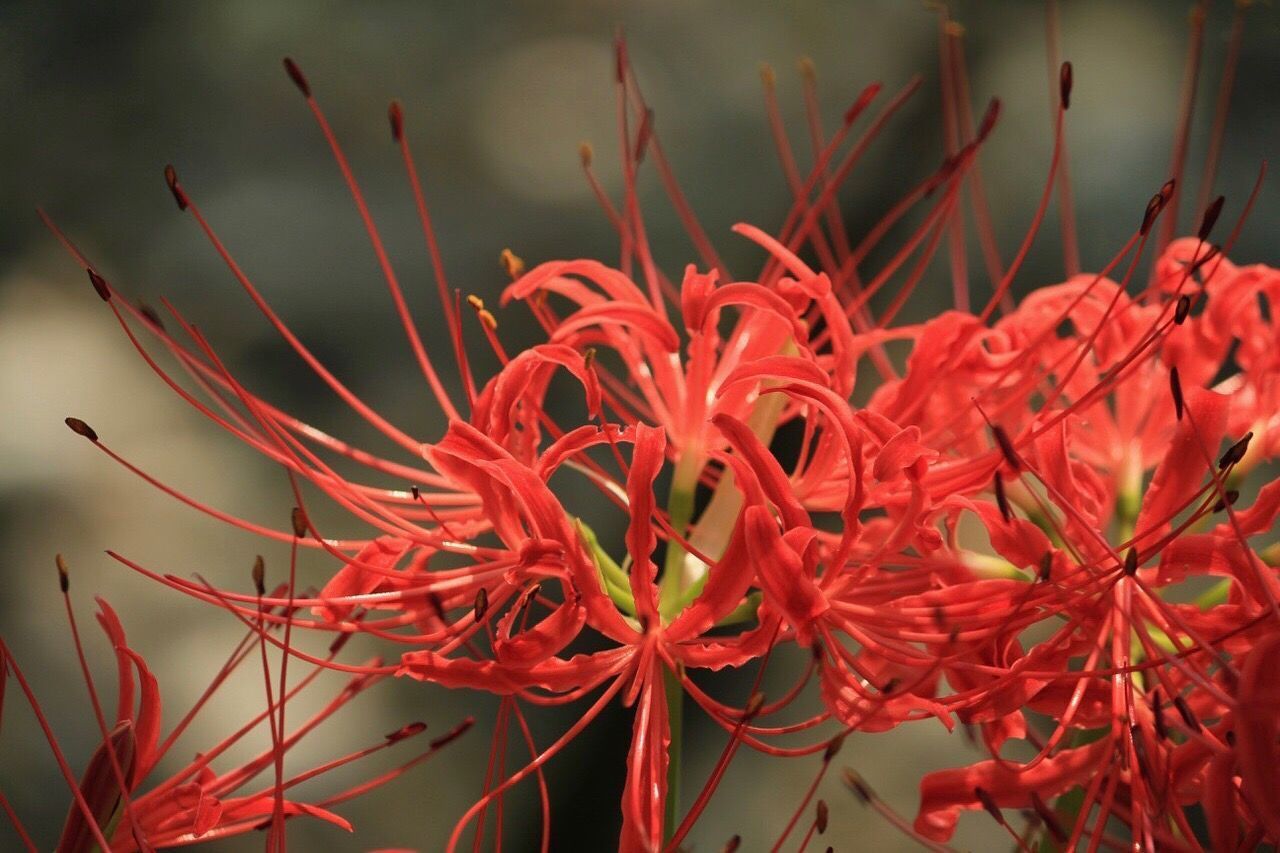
point(97, 98)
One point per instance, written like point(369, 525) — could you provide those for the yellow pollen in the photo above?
point(512, 263)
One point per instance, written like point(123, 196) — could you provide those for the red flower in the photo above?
point(998, 537)
point(114, 809)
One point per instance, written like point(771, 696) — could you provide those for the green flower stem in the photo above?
point(675, 719)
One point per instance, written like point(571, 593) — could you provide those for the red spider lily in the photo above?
point(1003, 534)
point(115, 809)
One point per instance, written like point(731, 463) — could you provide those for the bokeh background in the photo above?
point(97, 97)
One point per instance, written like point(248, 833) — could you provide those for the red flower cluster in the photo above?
point(111, 810)
point(1007, 532)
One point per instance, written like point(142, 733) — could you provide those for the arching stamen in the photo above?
point(375, 239)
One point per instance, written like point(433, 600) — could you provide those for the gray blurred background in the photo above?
point(96, 98)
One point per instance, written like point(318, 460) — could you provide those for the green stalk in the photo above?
point(680, 502)
point(675, 718)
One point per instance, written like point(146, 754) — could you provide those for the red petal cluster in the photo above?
point(998, 518)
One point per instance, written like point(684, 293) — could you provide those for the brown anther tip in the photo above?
point(99, 285)
point(1210, 218)
point(644, 135)
point(64, 578)
point(854, 782)
point(1229, 498)
point(807, 68)
point(1049, 818)
point(619, 57)
point(768, 76)
point(821, 816)
point(1131, 562)
point(586, 154)
point(79, 427)
point(1002, 500)
point(1046, 566)
point(299, 520)
point(395, 115)
point(588, 357)
point(989, 119)
point(754, 704)
point(481, 606)
point(955, 29)
point(1065, 81)
point(259, 574)
point(1212, 253)
point(989, 803)
point(1230, 738)
point(1153, 210)
point(340, 642)
point(1157, 713)
point(151, 315)
point(732, 845)
point(453, 734)
point(833, 747)
point(406, 731)
point(1006, 447)
point(171, 178)
point(1184, 711)
point(1175, 388)
point(1166, 190)
point(295, 74)
point(1182, 309)
point(512, 263)
point(1235, 452)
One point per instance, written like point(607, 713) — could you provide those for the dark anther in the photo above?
point(1049, 817)
point(1002, 500)
point(1184, 711)
point(1184, 308)
point(259, 575)
point(100, 285)
point(989, 803)
point(1006, 447)
point(1157, 711)
point(1235, 452)
point(454, 733)
point(79, 427)
point(1229, 498)
point(1175, 386)
point(296, 75)
point(406, 731)
point(64, 579)
point(1210, 218)
point(179, 195)
point(833, 747)
point(396, 116)
point(858, 785)
point(1153, 210)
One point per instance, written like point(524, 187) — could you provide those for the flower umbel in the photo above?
point(1022, 516)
